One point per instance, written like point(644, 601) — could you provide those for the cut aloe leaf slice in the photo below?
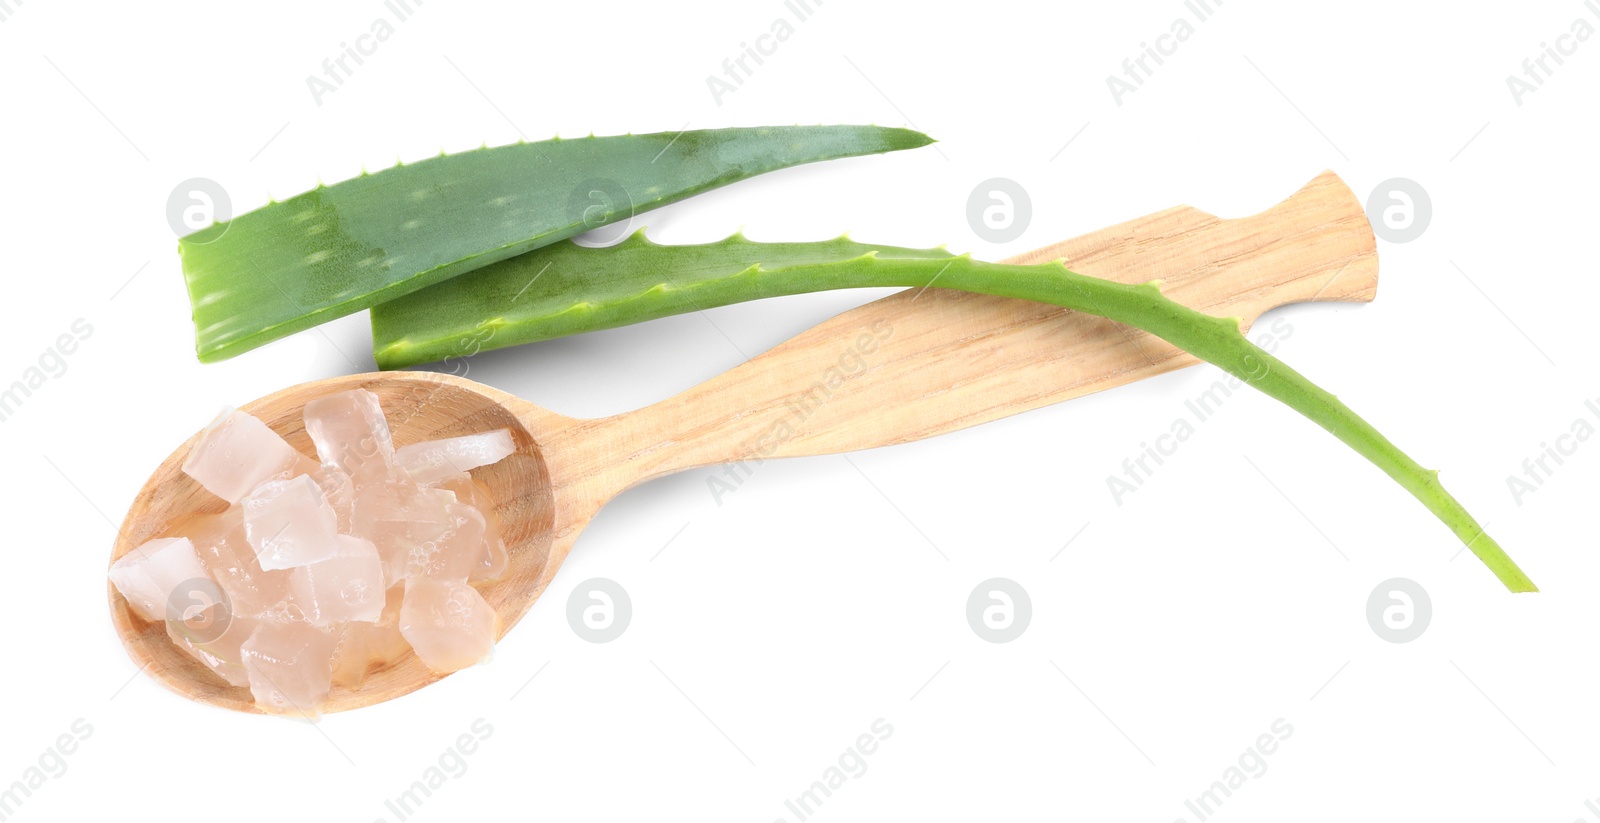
point(565, 289)
point(639, 280)
point(341, 248)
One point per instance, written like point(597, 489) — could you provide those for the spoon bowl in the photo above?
point(419, 406)
point(912, 365)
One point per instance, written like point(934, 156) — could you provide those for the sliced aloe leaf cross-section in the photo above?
point(341, 248)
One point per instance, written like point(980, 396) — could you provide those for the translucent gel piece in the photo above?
point(490, 560)
point(150, 575)
point(367, 647)
point(433, 461)
point(400, 518)
point(289, 667)
point(215, 637)
point(346, 587)
point(289, 523)
point(448, 623)
point(456, 553)
point(220, 541)
point(238, 452)
point(350, 433)
point(340, 492)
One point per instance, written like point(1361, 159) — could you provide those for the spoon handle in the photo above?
point(917, 364)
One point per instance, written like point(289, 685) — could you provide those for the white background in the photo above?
point(776, 627)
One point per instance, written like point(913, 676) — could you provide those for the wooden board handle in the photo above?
point(915, 365)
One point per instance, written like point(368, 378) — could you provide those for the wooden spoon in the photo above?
point(912, 365)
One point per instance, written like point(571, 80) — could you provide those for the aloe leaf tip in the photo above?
point(616, 289)
point(337, 249)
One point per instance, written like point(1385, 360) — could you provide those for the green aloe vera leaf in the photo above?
point(341, 248)
point(640, 288)
point(565, 289)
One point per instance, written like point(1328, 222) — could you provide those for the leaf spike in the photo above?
point(708, 270)
point(232, 280)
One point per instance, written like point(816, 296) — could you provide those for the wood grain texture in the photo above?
point(912, 365)
point(925, 362)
